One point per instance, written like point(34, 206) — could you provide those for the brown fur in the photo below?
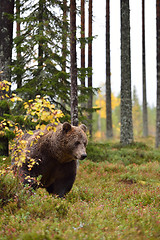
point(56, 154)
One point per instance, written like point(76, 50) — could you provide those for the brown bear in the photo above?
point(55, 156)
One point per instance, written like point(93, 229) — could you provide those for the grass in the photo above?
point(116, 196)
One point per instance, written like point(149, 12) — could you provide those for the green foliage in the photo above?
point(41, 54)
point(34, 236)
point(11, 190)
point(8, 188)
point(136, 152)
point(6, 125)
point(4, 108)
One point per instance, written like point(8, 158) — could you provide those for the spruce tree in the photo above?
point(41, 45)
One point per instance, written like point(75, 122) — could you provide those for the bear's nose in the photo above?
point(83, 156)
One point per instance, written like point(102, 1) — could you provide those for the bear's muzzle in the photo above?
point(83, 156)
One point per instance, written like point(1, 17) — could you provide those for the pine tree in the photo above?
point(74, 94)
point(90, 101)
point(158, 75)
point(82, 75)
point(145, 113)
point(65, 53)
point(19, 70)
point(109, 132)
point(83, 43)
point(126, 136)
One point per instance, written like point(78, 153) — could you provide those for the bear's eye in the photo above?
point(77, 143)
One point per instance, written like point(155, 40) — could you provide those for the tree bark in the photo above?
point(6, 38)
point(19, 75)
point(126, 135)
point(82, 43)
point(64, 36)
point(145, 112)
point(74, 95)
point(40, 44)
point(90, 101)
point(109, 130)
point(158, 75)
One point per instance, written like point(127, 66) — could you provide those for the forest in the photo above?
point(116, 194)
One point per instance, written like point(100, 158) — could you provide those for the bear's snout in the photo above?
point(83, 156)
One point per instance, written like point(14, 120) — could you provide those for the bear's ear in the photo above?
point(83, 127)
point(66, 127)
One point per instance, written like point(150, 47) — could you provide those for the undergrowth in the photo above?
point(137, 153)
point(116, 195)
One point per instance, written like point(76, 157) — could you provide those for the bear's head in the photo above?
point(73, 142)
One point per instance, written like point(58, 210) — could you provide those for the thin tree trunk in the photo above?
point(83, 43)
point(109, 131)
point(90, 101)
point(19, 75)
point(6, 38)
point(64, 35)
point(64, 48)
point(126, 135)
point(74, 95)
point(40, 46)
point(145, 113)
point(158, 75)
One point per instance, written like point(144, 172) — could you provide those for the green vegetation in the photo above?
point(116, 196)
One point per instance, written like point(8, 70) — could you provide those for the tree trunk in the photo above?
point(19, 75)
point(109, 131)
point(6, 38)
point(64, 36)
point(145, 114)
point(126, 135)
point(90, 101)
point(74, 95)
point(82, 43)
point(40, 44)
point(64, 49)
point(158, 76)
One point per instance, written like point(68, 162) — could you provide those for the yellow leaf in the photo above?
point(42, 127)
point(30, 132)
point(12, 100)
point(37, 127)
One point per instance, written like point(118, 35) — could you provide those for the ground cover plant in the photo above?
point(116, 196)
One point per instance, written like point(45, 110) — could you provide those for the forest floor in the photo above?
point(116, 195)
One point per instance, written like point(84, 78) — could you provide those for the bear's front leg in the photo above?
point(61, 186)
